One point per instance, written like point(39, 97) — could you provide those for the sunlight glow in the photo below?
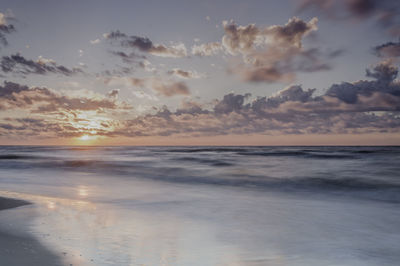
point(51, 205)
point(83, 191)
point(85, 137)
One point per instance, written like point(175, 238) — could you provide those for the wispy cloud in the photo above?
point(389, 49)
point(167, 88)
point(144, 44)
point(17, 64)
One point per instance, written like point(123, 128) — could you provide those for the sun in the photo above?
point(85, 137)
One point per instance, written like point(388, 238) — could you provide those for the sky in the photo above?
point(289, 72)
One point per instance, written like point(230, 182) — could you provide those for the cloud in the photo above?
point(126, 82)
point(44, 100)
point(363, 106)
point(113, 93)
point(263, 74)
point(271, 53)
point(274, 53)
point(245, 39)
point(292, 33)
point(96, 41)
point(239, 38)
point(143, 95)
point(144, 44)
point(383, 87)
point(230, 103)
point(128, 57)
point(170, 88)
point(184, 74)
point(207, 49)
point(18, 64)
point(5, 28)
point(175, 50)
point(166, 88)
point(66, 125)
point(385, 72)
point(385, 12)
point(389, 49)
point(344, 108)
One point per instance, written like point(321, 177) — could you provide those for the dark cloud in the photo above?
point(113, 94)
point(230, 103)
point(5, 29)
point(128, 57)
point(119, 71)
point(10, 88)
point(389, 49)
point(144, 44)
point(184, 74)
point(385, 12)
point(383, 85)
point(18, 64)
point(384, 72)
point(115, 35)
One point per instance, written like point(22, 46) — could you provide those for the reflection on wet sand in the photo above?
point(239, 230)
point(85, 233)
point(83, 191)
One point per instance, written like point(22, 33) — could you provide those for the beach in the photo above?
point(200, 206)
point(17, 249)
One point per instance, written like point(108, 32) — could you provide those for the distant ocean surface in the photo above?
point(211, 205)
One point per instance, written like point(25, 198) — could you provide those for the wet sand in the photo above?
point(22, 250)
point(6, 203)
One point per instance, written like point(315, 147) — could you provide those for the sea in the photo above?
point(200, 205)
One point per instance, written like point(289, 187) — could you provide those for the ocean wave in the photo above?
point(303, 154)
point(15, 157)
point(212, 162)
point(367, 170)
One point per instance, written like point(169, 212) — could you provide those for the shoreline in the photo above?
point(23, 250)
